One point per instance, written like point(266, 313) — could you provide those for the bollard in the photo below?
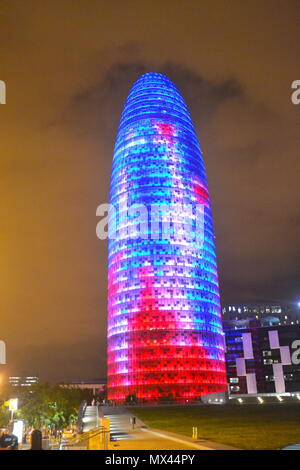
point(195, 433)
point(133, 421)
point(36, 440)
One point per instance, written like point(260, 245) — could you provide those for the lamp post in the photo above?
point(12, 406)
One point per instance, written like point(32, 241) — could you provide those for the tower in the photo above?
point(165, 339)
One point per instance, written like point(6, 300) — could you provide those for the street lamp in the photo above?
point(12, 406)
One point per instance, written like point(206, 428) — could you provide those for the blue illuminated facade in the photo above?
point(165, 339)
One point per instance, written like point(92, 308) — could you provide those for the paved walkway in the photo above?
point(144, 438)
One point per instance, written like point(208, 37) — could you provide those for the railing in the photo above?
point(97, 439)
point(81, 412)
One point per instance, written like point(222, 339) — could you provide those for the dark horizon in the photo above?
point(68, 69)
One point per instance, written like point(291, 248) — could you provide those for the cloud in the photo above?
point(241, 139)
point(98, 107)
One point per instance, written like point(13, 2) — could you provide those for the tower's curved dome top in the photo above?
point(154, 95)
point(156, 79)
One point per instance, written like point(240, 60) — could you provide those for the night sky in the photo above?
point(68, 67)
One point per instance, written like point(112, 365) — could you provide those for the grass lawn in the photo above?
point(267, 426)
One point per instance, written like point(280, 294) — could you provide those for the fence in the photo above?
point(96, 439)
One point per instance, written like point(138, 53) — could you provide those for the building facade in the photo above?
point(262, 359)
point(23, 381)
point(96, 387)
point(165, 338)
point(280, 313)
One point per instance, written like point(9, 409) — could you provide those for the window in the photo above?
point(268, 361)
point(234, 380)
point(267, 353)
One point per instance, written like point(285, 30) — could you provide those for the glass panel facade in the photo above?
point(165, 338)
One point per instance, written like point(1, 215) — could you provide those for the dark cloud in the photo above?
point(250, 227)
point(98, 107)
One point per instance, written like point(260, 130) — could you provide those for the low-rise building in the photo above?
point(23, 381)
point(262, 358)
point(282, 313)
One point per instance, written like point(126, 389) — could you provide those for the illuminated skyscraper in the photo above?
point(165, 338)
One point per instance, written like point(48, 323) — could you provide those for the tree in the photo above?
point(46, 406)
point(4, 415)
